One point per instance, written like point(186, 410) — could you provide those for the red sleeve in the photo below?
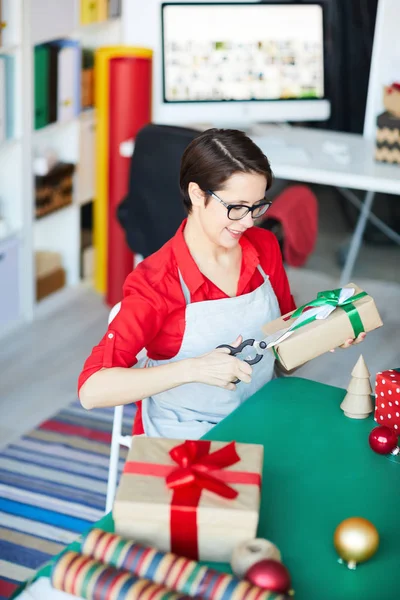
point(138, 321)
point(272, 263)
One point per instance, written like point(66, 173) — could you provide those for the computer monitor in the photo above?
point(236, 62)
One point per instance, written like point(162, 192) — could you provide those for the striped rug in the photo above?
point(53, 485)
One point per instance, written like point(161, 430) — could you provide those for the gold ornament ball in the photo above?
point(356, 539)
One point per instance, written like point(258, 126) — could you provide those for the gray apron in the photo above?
point(189, 411)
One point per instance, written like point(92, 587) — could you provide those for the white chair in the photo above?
point(117, 439)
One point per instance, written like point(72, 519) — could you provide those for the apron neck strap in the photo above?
point(265, 277)
point(185, 288)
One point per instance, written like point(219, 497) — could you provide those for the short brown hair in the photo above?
point(216, 154)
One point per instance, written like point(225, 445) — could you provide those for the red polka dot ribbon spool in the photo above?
point(387, 399)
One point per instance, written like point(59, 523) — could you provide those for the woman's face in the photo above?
point(245, 189)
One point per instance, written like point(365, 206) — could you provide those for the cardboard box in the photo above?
point(387, 399)
point(46, 262)
point(322, 335)
point(142, 507)
point(50, 283)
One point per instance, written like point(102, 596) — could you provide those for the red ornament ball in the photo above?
point(382, 439)
point(270, 575)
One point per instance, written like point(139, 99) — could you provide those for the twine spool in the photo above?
point(248, 553)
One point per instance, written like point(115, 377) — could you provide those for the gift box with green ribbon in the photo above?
point(325, 322)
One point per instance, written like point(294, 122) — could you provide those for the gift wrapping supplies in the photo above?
point(184, 576)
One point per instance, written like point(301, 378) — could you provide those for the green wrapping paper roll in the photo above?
point(174, 572)
point(87, 578)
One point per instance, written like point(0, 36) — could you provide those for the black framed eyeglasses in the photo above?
point(239, 211)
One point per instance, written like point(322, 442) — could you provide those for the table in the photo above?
point(318, 470)
point(343, 160)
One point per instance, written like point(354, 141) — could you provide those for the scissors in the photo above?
point(249, 351)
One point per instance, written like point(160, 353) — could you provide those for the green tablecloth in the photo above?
point(318, 470)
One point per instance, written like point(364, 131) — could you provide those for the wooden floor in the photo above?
point(40, 364)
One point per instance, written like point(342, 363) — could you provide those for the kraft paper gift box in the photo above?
point(168, 497)
point(387, 399)
point(321, 325)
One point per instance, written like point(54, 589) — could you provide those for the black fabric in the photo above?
point(349, 35)
point(153, 209)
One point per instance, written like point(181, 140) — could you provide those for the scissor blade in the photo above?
point(270, 339)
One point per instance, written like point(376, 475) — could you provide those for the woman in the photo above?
point(217, 281)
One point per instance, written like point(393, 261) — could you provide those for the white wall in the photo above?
point(142, 27)
point(385, 64)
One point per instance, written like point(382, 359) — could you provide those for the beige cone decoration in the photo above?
point(358, 402)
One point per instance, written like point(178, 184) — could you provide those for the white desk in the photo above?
point(308, 155)
point(342, 160)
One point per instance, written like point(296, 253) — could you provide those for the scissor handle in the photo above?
point(238, 349)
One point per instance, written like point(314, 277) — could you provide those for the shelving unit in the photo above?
point(29, 23)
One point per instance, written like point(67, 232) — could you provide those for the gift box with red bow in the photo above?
point(198, 499)
point(387, 399)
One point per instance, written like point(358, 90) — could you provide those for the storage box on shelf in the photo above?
point(54, 190)
point(50, 275)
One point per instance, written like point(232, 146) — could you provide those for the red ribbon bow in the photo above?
point(197, 470)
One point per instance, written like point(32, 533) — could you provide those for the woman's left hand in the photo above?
point(351, 341)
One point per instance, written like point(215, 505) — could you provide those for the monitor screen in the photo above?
point(242, 52)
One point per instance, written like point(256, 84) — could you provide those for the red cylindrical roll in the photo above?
point(130, 110)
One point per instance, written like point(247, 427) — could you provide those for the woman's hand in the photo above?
point(351, 342)
point(220, 368)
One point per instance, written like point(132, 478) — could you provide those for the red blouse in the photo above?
point(152, 313)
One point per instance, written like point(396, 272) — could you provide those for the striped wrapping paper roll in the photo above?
point(87, 578)
point(175, 572)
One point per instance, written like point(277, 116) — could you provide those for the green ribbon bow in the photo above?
point(332, 298)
